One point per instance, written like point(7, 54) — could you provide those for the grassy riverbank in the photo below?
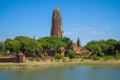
point(34, 65)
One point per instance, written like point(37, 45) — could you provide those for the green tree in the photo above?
point(71, 55)
point(68, 42)
point(94, 47)
point(95, 57)
point(117, 47)
point(51, 42)
point(12, 45)
point(26, 44)
point(2, 47)
point(117, 56)
point(104, 47)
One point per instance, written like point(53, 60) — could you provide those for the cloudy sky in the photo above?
point(87, 19)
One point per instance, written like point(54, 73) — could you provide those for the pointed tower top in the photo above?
point(78, 42)
point(57, 9)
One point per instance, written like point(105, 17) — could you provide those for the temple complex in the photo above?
point(57, 30)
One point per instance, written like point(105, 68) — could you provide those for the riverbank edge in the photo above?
point(35, 65)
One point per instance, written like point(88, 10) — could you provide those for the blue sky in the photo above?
point(87, 19)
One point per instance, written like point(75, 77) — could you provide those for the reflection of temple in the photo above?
point(79, 50)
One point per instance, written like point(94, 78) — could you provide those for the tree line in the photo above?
point(101, 48)
point(24, 43)
point(109, 47)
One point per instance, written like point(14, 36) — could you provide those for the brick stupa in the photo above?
point(57, 29)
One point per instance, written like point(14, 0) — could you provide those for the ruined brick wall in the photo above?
point(78, 49)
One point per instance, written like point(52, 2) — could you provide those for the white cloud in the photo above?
point(84, 31)
point(71, 33)
point(97, 32)
point(88, 33)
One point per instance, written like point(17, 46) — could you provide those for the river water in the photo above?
point(68, 72)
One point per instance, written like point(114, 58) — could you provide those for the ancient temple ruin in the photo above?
point(57, 29)
point(79, 50)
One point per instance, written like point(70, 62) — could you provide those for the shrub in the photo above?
point(58, 56)
point(30, 59)
point(106, 58)
point(117, 56)
point(71, 54)
point(37, 59)
point(86, 57)
point(95, 58)
point(77, 56)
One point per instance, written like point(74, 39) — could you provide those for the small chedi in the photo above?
point(57, 29)
point(79, 50)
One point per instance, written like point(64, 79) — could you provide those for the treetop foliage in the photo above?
point(104, 47)
point(24, 43)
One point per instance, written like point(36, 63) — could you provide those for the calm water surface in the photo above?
point(71, 72)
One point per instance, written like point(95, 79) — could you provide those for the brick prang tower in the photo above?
point(57, 29)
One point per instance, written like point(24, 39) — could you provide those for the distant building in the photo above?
point(57, 29)
point(78, 42)
point(79, 50)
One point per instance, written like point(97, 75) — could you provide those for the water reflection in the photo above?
point(68, 72)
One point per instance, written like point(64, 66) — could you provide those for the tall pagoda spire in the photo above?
point(57, 29)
